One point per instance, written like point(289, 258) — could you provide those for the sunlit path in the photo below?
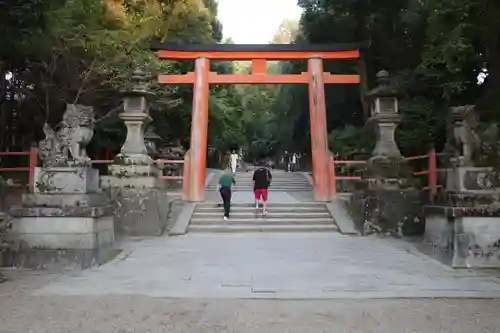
point(305, 265)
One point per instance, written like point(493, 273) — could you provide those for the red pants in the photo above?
point(261, 193)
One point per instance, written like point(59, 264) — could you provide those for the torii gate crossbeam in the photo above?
point(202, 77)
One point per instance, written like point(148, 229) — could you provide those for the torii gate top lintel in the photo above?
point(243, 52)
point(259, 55)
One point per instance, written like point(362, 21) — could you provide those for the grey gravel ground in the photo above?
point(22, 312)
point(24, 308)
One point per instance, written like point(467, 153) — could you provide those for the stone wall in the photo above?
point(396, 212)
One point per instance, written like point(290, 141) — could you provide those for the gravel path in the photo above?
point(22, 312)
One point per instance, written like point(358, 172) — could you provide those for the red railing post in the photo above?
point(432, 176)
point(33, 162)
point(185, 176)
point(331, 178)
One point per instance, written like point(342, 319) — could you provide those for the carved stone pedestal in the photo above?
point(464, 237)
point(66, 222)
point(463, 229)
point(66, 180)
point(467, 179)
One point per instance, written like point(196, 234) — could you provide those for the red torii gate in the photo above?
point(202, 77)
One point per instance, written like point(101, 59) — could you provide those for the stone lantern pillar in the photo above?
point(133, 167)
point(384, 115)
point(136, 117)
point(385, 200)
point(141, 206)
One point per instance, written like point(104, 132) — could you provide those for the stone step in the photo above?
point(271, 205)
point(282, 180)
point(260, 219)
point(274, 181)
point(284, 184)
point(251, 209)
point(280, 214)
point(293, 181)
point(272, 189)
point(224, 228)
point(273, 185)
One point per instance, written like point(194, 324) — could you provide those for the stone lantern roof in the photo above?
point(140, 84)
point(384, 88)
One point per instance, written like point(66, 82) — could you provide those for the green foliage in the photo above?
point(350, 141)
point(61, 51)
point(83, 51)
point(433, 49)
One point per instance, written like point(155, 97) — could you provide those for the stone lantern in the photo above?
point(133, 159)
point(136, 117)
point(385, 197)
point(141, 204)
point(384, 116)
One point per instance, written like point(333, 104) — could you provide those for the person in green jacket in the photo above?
point(226, 181)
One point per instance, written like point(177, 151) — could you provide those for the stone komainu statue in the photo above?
point(66, 147)
point(466, 143)
point(463, 137)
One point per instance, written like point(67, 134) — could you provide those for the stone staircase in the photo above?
point(282, 181)
point(281, 217)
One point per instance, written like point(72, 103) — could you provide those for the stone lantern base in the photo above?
point(140, 203)
point(386, 200)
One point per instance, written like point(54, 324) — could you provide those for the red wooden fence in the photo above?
point(30, 169)
point(431, 172)
point(33, 161)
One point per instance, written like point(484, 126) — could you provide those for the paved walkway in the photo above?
point(284, 266)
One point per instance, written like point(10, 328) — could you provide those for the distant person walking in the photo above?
point(261, 181)
point(293, 162)
point(226, 181)
point(234, 161)
point(286, 161)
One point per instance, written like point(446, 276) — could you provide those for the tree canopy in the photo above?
point(83, 51)
point(435, 51)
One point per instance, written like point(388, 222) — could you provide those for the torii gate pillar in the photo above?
point(319, 133)
point(199, 130)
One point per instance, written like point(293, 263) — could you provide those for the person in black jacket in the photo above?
point(261, 181)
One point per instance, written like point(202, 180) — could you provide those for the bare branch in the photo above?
point(85, 78)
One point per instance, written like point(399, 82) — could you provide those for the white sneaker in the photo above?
point(225, 218)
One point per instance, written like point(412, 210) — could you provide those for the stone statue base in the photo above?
point(463, 237)
point(463, 228)
point(65, 224)
point(472, 180)
point(66, 180)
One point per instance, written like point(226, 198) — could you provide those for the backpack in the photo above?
point(268, 176)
